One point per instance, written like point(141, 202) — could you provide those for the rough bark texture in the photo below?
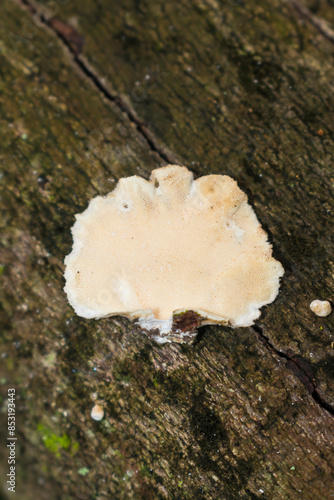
point(92, 91)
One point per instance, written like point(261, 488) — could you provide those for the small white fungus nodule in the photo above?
point(97, 413)
point(170, 248)
point(321, 307)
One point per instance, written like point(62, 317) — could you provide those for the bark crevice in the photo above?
point(54, 24)
point(295, 365)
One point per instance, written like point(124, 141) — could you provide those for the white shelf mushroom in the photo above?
point(173, 253)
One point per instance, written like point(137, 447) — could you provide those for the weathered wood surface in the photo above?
point(91, 91)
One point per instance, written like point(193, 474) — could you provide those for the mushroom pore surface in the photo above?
point(172, 243)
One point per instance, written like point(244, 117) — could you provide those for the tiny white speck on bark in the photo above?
point(97, 413)
point(321, 307)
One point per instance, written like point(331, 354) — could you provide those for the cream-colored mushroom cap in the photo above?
point(151, 249)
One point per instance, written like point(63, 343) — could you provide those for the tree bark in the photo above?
point(92, 91)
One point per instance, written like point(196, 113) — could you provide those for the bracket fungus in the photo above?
point(172, 253)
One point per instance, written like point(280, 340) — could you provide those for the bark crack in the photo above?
point(298, 367)
point(56, 26)
point(319, 24)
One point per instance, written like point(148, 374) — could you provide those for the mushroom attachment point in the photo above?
point(172, 253)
